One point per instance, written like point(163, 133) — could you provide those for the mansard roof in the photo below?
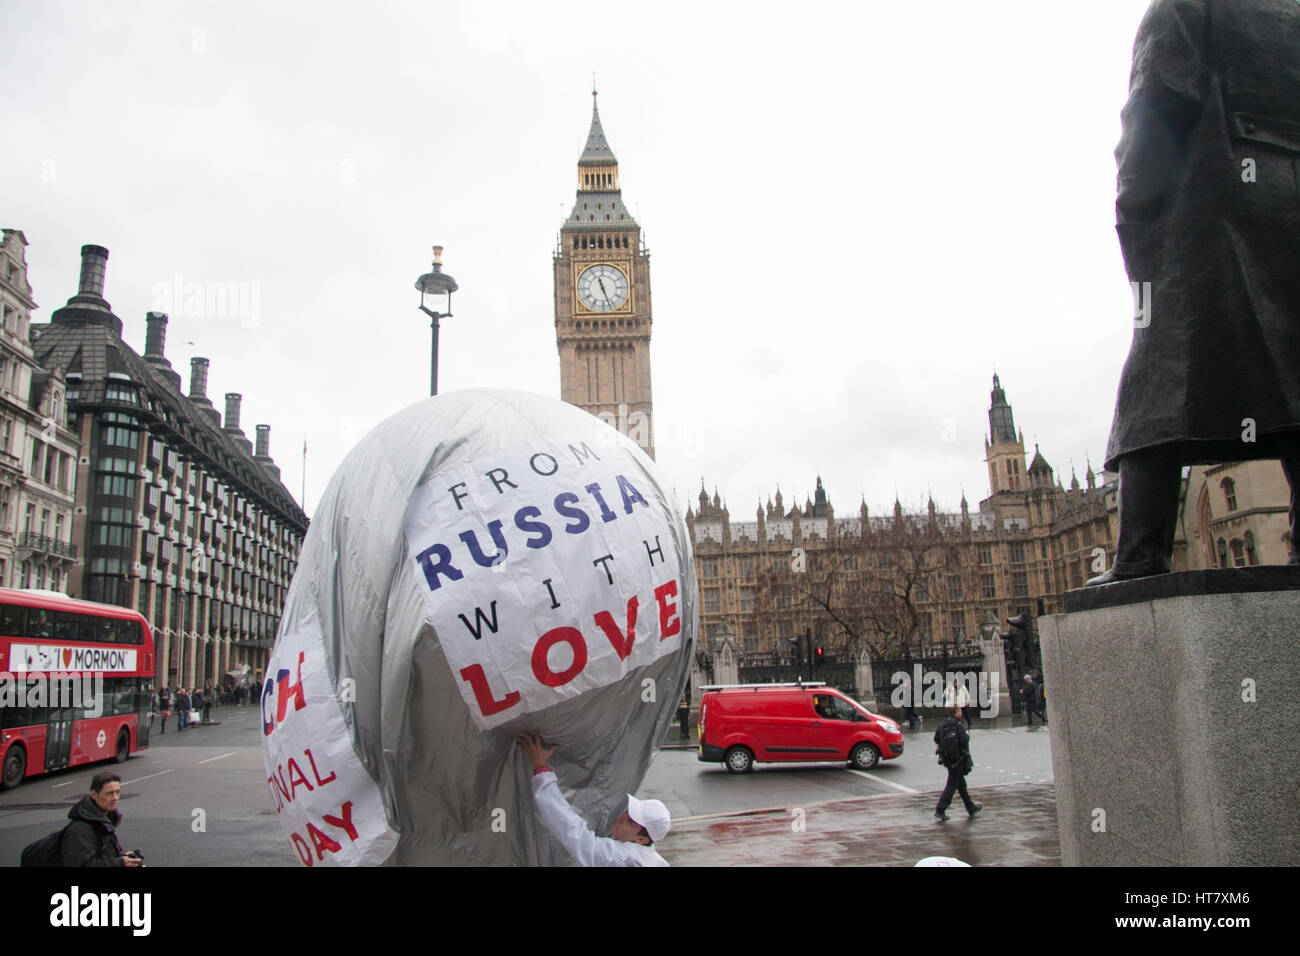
point(96, 352)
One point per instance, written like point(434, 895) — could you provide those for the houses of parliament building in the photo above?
point(892, 581)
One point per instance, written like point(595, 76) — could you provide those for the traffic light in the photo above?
point(819, 655)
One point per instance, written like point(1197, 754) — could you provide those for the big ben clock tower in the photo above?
point(602, 299)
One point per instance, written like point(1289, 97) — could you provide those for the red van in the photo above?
point(742, 724)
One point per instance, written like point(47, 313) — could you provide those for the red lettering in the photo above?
point(319, 781)
point(286, 689)
point(669, 623)
point(267, 693)
point(279, 784)
point(271, 784)
point(345, 822)
point(483, 693)
point(556, 635)
point(294, 781)
point(300, 847)
point(606, 622)
point(321, 842)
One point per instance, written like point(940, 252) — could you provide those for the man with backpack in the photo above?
point(954, 753)
point(91, 838)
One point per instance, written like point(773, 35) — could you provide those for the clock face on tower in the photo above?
point(602, 288)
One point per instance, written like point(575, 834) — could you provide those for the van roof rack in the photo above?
point(806, 683)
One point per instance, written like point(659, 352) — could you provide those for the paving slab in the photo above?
point(1017, 827)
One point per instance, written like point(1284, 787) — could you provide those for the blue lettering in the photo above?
point(499, 539)
point(444, 565)
point(581, 521)
point(630, 495)
point(606, 515)
point(537, 527)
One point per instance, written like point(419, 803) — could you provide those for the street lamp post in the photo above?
point(435, 282)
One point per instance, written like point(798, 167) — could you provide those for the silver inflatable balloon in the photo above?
point(482, 563)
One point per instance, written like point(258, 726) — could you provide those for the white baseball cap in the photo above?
point(651, 814)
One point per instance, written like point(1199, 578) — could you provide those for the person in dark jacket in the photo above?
point(1031, 693)
point(91, 838)
point(957, 769)
point(182, 709)
point(165, 706)
point(1208, 217)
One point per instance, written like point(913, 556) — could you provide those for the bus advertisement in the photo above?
point(75, 683)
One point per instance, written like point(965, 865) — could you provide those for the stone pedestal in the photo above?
point(865, 681)
point(995, 664)
point(1174, 711)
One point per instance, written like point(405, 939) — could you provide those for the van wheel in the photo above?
point(123, 746)
point(864, 757)
point(739, 760)
point(15, 768)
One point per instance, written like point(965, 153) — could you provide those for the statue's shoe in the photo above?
point(1114, 575)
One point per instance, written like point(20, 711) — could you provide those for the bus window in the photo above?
point(120, 696)
point(38, 622)
point(13, 620)
point(65, 626)
point(11, 717)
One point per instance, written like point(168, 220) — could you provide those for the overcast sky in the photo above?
point(856, 213)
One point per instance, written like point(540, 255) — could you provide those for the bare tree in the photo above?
point(866, 587)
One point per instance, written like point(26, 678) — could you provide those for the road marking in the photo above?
point(66, 783)
point(147, 777)
point(887, 783)
point(210, 759)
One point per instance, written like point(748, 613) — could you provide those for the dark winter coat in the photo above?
point(963, 738)
point(91, 838)
point(1214, 102)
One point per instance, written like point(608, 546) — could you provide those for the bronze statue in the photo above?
point(1208, 216)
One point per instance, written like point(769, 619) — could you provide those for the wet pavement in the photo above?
point(1017, 827)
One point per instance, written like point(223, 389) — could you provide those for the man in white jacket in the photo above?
point(630, 837)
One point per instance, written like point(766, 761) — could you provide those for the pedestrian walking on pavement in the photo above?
point(165, 703)
point(1030, 694)
point(953, 747)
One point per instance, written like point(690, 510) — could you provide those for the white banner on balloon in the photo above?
point(547, 571)
point(326, 800)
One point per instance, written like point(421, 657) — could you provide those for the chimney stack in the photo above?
point(155, 336)
point(199, 390)
point(263, 455)
point(232, 412)
point(88, 307)
point(94, 262)
point(199, 380)
point(155, 339)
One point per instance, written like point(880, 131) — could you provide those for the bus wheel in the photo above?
point(15, 768)
point(123, 746)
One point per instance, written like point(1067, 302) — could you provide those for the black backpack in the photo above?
point(47, 851)
point(950, 743)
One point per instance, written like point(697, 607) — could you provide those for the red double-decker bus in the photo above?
point(74, 683)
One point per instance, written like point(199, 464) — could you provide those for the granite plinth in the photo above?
point(1173, 704)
